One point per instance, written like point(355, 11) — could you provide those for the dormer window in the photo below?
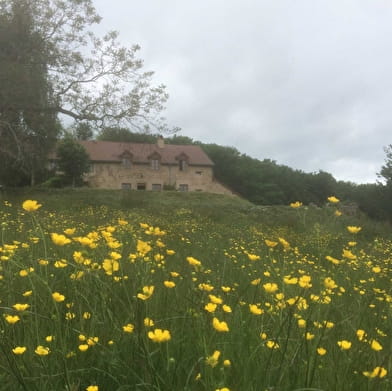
point(155, 164)
point(182, 165)
point(126, 159)
point(155, 161)
point(126, 162)
point(183, 161)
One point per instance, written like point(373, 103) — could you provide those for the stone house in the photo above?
point(136, 166)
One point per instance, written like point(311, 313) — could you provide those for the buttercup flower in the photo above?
point(58, 297)
point(20, 307)
point(42, 350)
point(220, 326)
point(333, 200)
point(296, 204)
point(128, 328)
point(213, 359)
point(12, 319)
point(147, 292)
point(353, 229)
point(19, 349)
point(344, 345)
point(31, 205)
point(377, 372)
point(159, 335)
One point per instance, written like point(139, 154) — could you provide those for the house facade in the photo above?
point(136, 166)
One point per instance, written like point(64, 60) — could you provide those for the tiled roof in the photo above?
point(110, 151)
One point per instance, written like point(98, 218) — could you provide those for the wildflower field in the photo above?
point(197, 295)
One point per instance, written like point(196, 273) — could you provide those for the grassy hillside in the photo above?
point(105, 290)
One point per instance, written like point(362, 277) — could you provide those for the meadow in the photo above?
point(115, 291)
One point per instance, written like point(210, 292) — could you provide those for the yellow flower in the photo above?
point(270, 287)
point(147, 292)
point(272, 344)
point(333, 260)
point(333, 200)
point(223, 389)
point(31, 205)
point(348, 254)
point(330, 283)
point(212, 360)
point(19, 349)
point(92, 388)
point(12, 319)
point(344, 345)
point(253, 257)
point(290, 280)
point(338, 213)
point(309, 336)
point(226, 308)
point(304, 282)
point(49, 338)
point(270, 243)
point(296, 204)
point(205, 287)
point(159, 335)
point(375, 345)
point(193, 261)
point(353, 229)
point(220, 326)
point(377, 372)
point(128, 328)
point(361, 334)
point(215, 299)
point(42, 350)
point(83, 347)
point(321, 351)
point(61, 263)
point(20, 307)
point(169, 284)
point(27, 293)
point(148, 322)
point(59, 239)
point(58, 297)
point(284, 243)
point(110, 266)
point(301, 323)
point(254, 309)
point(210, 307)
point(69, 231)
point(376, 269)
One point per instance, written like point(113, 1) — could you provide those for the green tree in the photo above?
point(52, 64)
point(386, 170)
point(27, 133)
point(73, 159)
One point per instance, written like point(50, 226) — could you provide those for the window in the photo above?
point(141, 186)
point(156, 187)
point(126, 186)
point(155, 164)
point(91, 168)
point(199, 172)
point(183, 187)
point(126, 162)
point(182, 165)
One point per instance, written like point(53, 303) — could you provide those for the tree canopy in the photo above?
point(51, 64)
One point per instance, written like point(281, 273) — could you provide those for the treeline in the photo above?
point(265, 182)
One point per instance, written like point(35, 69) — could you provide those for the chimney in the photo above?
point(161, 142)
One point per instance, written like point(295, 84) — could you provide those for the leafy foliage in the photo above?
point(73, 159)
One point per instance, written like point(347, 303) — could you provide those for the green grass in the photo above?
point(116, 251)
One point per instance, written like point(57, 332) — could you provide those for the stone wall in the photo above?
point(143, 176)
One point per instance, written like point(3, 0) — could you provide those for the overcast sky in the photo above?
point(307, 83)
